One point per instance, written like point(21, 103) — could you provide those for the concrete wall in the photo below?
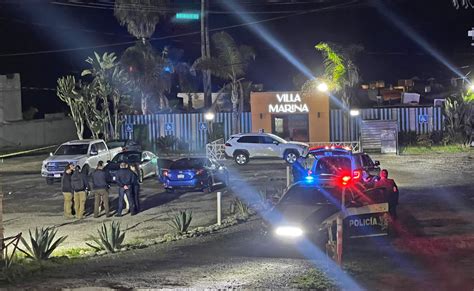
point(36, 133)
point(10, 98)
point(318, 112)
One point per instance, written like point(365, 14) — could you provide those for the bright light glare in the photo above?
point(209, 116)
point(323, 87)
point(309, 178)
point(471, 87)
point(354, 112)
point(289, 231)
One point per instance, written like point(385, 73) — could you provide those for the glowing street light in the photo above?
point(354, 112)
point(209, 116)
point(323, 87)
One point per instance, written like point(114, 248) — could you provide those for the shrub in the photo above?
point(436, 137)
point(423, 140)
point(239, 207)
point(181, 220)
point(166, 143)
point(42, 244)
point(182, 145)
point(407, 138)
point(110, 238)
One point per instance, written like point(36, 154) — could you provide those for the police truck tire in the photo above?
point(241, 158)
point(49, 181)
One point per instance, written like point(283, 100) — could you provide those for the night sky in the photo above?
point(34, 26)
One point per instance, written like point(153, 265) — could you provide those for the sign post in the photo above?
point(129, 130)
point(219, 214)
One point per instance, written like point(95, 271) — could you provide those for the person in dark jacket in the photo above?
point(391, 190)
point(124, 179)
point(66, 188)
point(100, 188)
point(79, 185)
point(136, 187)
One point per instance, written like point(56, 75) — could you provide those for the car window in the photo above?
point(308, 195)
point(72, 149)
point(266, 140)
point(145, 156)
point(332, 165)
point(249, 139)
point(184, 164)
point(127, 157)
point(277, 138)
point(115, 144)
point(93, 148)
point(367, 161)
point(101, 147)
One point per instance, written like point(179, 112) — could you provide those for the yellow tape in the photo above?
point(26, 152)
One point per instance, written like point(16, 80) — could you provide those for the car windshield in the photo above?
point(277, 138)
point(332, 165)
point(128, 157)
point(184, 164)
point(309, 195)
point(164, 163)
point(72, 149)
point(115, 144)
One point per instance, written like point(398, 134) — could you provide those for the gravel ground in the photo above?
point(434, 249)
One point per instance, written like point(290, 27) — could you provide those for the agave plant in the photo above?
point(166, 143)
point(42, 243)
point(240, 207)
point(181, 220)
point(110, 238)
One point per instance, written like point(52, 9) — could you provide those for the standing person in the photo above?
point(100, 187)
point(391, 190)
point(66, 188)
point(79, 185)
point(125, 182)
point(136, 187)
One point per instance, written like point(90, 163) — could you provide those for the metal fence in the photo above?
point(421, 120)
point(188, 127)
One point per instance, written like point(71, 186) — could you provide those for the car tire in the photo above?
point(209, 185)
point(241, 158)
point(141, 177)
point(291, 156)
point(49, 181)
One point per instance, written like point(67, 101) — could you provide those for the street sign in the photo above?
point(169, 126)
point(187, 16)
point(129, 127)
point(203, 126)
point(423, 118)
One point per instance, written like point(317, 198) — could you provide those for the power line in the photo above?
point(344, 5)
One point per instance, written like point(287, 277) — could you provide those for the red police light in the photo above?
point(356, 174)
point(345, 180)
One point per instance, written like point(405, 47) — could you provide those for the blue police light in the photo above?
point(167, 69)
point(309, 178)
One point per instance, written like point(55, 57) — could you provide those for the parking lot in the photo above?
point(435, 215)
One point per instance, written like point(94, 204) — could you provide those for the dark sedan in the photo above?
point(145, 160)
point(195, 173)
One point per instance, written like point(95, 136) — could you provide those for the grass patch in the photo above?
point(417, 150)
point(72, 252)
point(314, 279)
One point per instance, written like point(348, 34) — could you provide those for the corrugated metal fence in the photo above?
point(189, 127)
point(419, 119)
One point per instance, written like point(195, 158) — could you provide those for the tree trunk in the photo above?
point(205, 53)
point(235, 100)
point(346, 120)
point(144, 103)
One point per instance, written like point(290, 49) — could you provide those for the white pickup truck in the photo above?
point(85, 153)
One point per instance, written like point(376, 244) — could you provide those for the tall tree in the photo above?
point(140, 16)
point(229, 64)
point(67, 92)
point(341, 74)
point(463, 3)
point(206, 53)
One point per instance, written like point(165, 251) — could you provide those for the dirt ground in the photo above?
point(434, 249)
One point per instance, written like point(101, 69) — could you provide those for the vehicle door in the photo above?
point(102, 152)
point(369, 166)
point(270, 147)
point(146, 164)
point(251, 143)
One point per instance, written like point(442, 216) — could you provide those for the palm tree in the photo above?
point(463, 3)
point(230, 64)
point(150, 72)
point(140, 16)
point(341, 74)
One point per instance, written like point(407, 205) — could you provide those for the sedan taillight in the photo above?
point(165, 173)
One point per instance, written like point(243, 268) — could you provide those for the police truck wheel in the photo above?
point(241, 158)
point(49, 181)
point(291, 156)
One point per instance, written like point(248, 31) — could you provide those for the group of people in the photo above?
point(76, 185)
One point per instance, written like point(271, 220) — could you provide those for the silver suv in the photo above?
point(244, 146)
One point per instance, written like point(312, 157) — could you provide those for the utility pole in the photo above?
point(206, 53)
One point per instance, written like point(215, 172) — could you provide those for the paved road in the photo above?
point(434, 250)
